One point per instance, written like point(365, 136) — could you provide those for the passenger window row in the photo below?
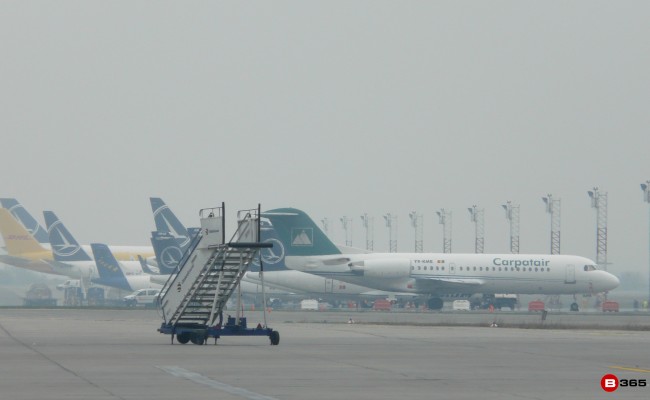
point(487, 269)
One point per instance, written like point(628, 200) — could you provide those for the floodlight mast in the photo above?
point(512, 214)
point(553, 207)
point(646, 197)
point(416, 223)
point(326, 225)
point(369, 225)
point(391, 224)
point(347, 227)
point(477, 217)
point(444, 218)
point(599, 202)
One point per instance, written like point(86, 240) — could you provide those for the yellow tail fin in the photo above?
point(16, 237)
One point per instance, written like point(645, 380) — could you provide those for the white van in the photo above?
point(309, 305)
point(460, 305)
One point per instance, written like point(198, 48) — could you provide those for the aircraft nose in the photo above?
point(611, 281)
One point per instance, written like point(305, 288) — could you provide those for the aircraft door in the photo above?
point(329, 285)
point(570, 274)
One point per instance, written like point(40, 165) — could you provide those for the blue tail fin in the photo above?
point(145, 267)
point(64, 246)
point(110, 272)
point(168, 250)
point(166, 220)
point(21, 214)
point(299, 234)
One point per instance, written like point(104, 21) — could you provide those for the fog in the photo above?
point(337, 108)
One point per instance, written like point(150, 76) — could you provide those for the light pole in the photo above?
point(416, 223)
point(599, 202)
point(326, 225)
point(444, 218)
point(553, 208)
point(368, 224)
point(512, 214)
point(646, 197)
point(391, 224)
point(347, 223)
point(479, 237)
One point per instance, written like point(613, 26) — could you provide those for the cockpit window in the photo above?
point(590, 267)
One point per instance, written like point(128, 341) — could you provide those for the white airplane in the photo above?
point(275, 272)
point(73, 260)
point(436, 274)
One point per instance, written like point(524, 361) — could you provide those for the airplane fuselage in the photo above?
point(440, 273)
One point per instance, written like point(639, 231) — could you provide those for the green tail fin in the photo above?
point(299, 234)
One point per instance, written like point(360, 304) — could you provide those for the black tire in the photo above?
point(198, 339)
point(574, 307)
point(275, 338)
point(183, 338)
point(435, 303)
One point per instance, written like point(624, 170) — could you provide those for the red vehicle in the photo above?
point(536, 305)
point(382, 305)
point(611, 306)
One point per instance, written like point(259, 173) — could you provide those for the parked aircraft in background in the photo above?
point(111, 273)
point(436, 274)
point(25, 218)
point(65, 248)
point(23, 250)
point(166, 221)
point(169, 251)
point(73, 260)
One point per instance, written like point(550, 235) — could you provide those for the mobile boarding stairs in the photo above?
point(193, 300)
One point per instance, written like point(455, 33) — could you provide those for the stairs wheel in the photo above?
point(183, 338)
point(275, 338)
point(198, 339)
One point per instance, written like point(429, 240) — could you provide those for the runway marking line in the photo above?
point(630, 369)
point(204, 380)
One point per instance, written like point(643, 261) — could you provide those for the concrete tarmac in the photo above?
point(118, 354)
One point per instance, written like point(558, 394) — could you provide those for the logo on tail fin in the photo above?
point(302, 237)
point(64, 247)
point(275, 254)
point(170, 256)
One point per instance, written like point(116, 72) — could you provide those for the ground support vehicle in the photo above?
point(211, 269)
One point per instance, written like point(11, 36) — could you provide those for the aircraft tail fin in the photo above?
point(299, 234)
point(17, 239)
point(64, 246)
point(168, 250)
point(110, 271)
point(145, 267)
point(24, 217)
point(272, 258)
point(165, 219)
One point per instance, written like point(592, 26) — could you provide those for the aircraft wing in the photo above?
point(32, 265)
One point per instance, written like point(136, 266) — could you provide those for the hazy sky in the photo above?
point(334, 107)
